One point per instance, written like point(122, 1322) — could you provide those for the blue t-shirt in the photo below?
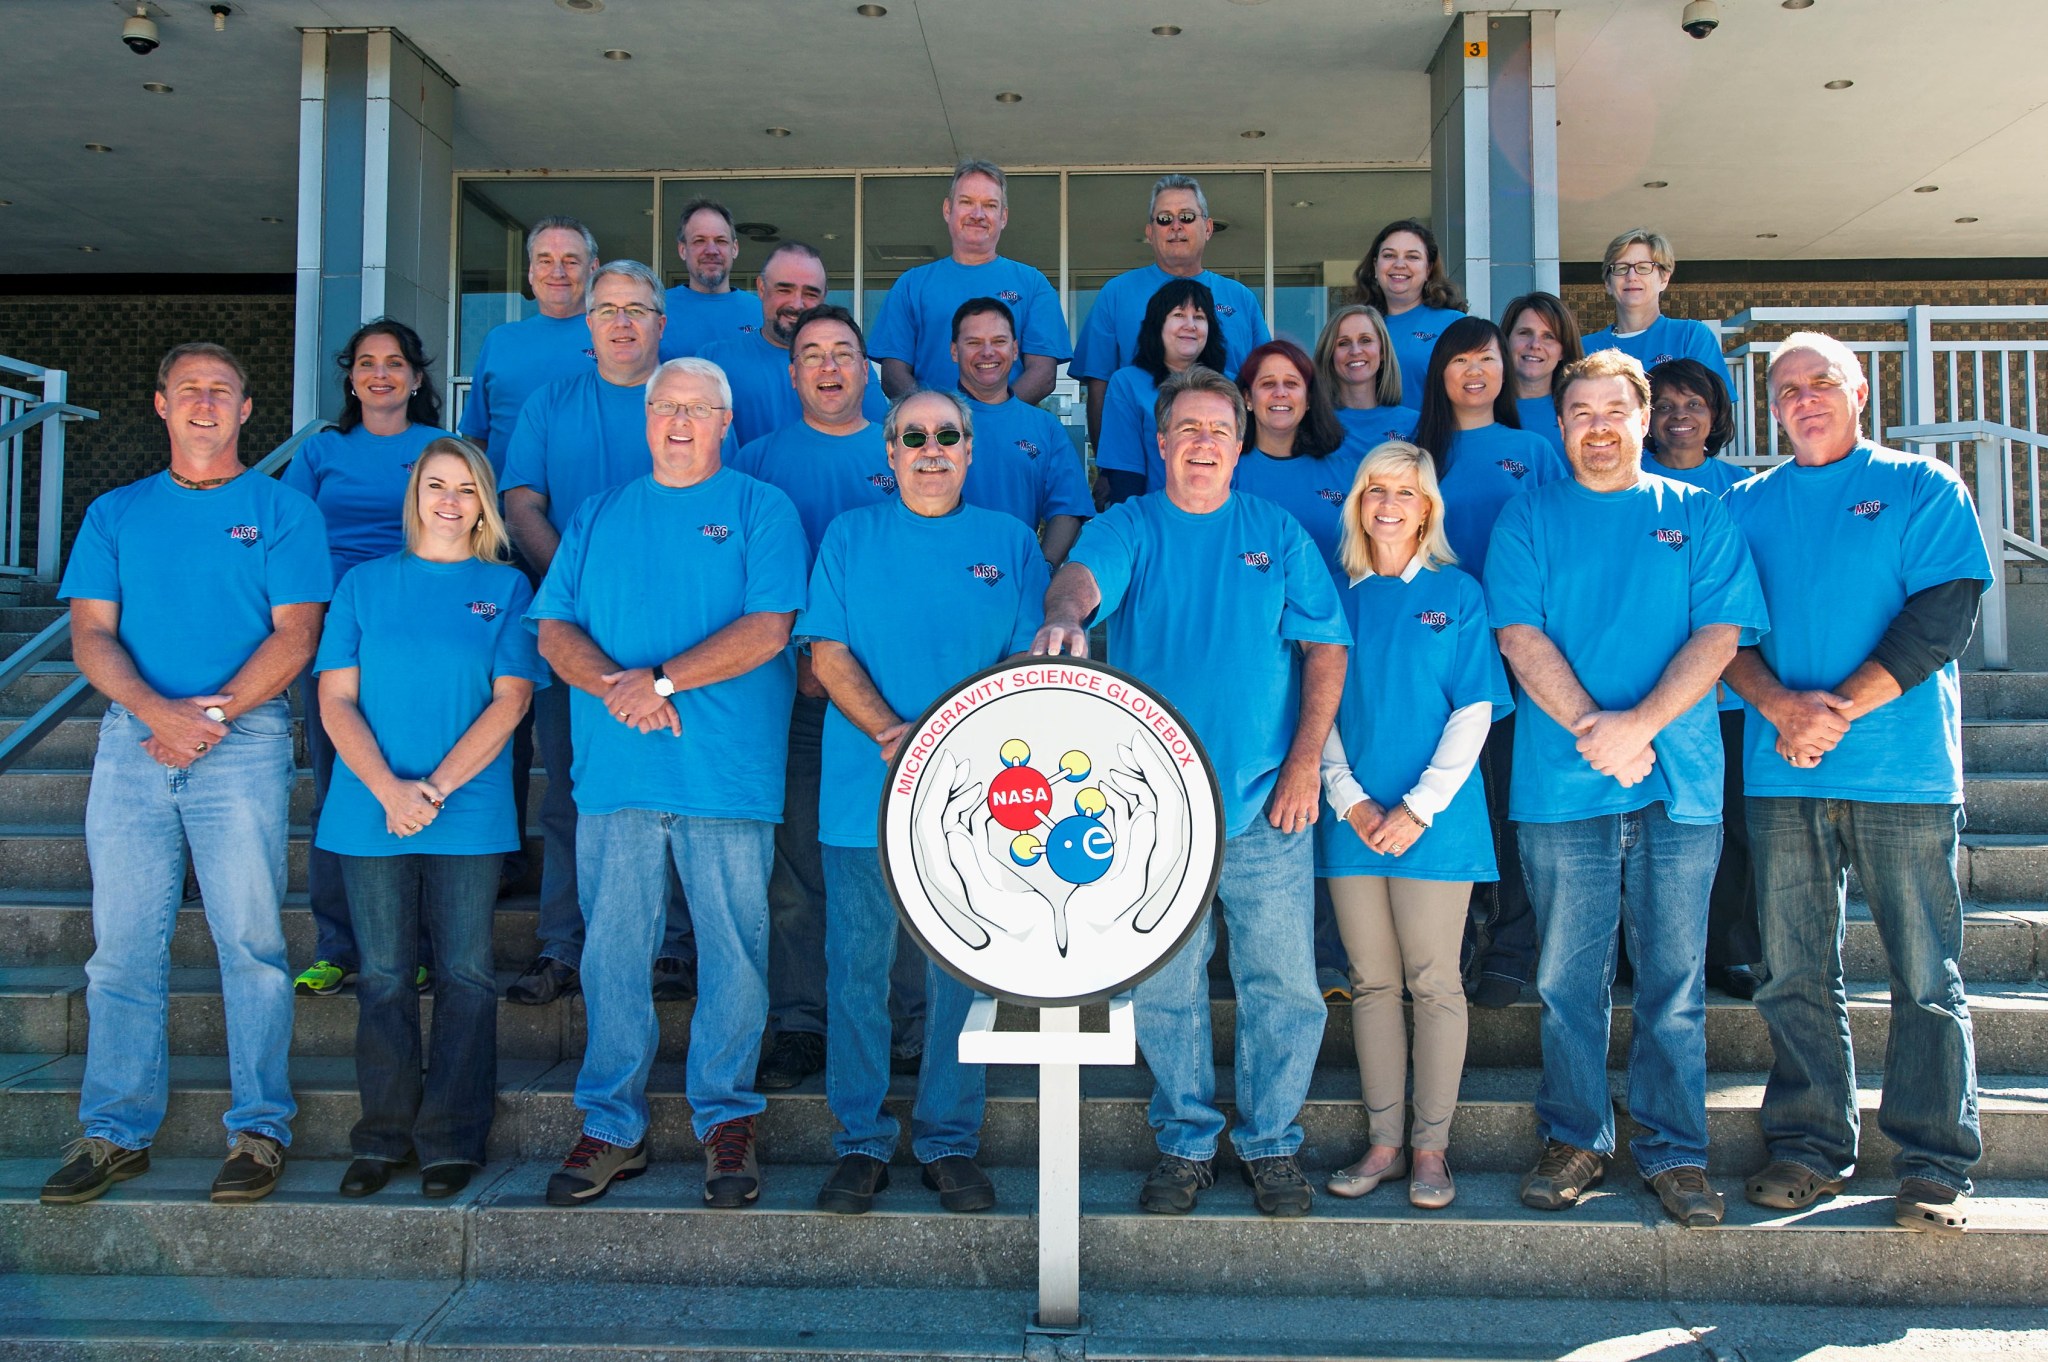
point(1310, 490)
point(922, 602)
point(358, 481)
point(1371, 427)
point(1024, 464)
point(764, 396)
point(916, 321)
point(579, 437)
point(648, 572)
point(1129, 440)
point(1109, 338)
point(1539, 417)
point(1206, 609)
point(429, 640)
point(1713, 475)
point(823, 475)
point(1428, 652)
point(1414, 334)
point(1620, 581)
point(197, 573)
point(697, 320)
point(1839, 549)
point(518, 360)
point(1665, 338)
point(1487, 468)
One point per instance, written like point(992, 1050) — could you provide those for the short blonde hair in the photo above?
point(1387, 383)
point(1659, 244)
point(1355, 550)
point(487, 536)
point(1605, 364)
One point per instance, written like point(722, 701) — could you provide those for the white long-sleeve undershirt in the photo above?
point(1457, 752)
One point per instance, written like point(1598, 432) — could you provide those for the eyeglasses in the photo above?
point(696, 411)
point(1622, 269)
point(632, 312)
point(817, 359)
point(1185, 217)
point(945, 436)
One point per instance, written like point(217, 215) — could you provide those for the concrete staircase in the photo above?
point(154, 1270)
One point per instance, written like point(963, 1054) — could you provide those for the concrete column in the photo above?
point(376, 200)
point(1493, 155)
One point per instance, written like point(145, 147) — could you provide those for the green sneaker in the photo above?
point(321, 978)
point(421, 980)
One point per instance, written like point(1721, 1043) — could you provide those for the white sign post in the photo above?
point(1052, 833)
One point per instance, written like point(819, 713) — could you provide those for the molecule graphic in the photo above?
point(1078, 847)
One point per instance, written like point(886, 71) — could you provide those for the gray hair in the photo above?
point(699, 368)
point(1196, 378)
point(1187, 182)
point(1824, 345)
point(893, 421)
point(975, 166)
point(630, 269)
point(559, 223)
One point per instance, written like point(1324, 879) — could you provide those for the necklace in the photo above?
point(203, 484)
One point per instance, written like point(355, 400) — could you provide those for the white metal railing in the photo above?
point(45, 413)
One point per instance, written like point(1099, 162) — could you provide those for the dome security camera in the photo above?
point(1701, 18)
point(140, 34)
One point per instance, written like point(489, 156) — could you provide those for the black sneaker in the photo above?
point(732, 1175)
point(960, 1183)
point(794, 1056)
point(591, 1169)
point(851, 1188)
point(675, 981)
point(1171, 1187)
point(1278, 1188)
point(543, 981)
point(254, 1164)
point(91, 1165)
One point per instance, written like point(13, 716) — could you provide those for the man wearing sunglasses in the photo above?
point(1177, 227)
point(1027, 466)
point(1635, 271)
point(979, 583)
point(913, 334)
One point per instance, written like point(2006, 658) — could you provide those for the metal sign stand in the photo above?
point(1058, 1048)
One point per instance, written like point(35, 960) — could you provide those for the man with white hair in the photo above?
point(1872, 564)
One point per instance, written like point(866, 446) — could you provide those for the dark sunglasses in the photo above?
point(1186, 217)
point(947, 437)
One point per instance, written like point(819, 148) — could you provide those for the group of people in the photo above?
point(717, 562)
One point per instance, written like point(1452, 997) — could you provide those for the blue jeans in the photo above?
point(334, 938)
point(1267, 892)
point(862, 950)
point(1905, 856)
point(445, 1117)
point(796, 905)
point(1650, 876)
point(623, 862)
point(229, 808)
point(561, 911)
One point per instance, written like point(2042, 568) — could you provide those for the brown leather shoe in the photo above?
point(1688, 1199)
point(1563, 1175)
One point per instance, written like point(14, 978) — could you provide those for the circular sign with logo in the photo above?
point(1051, 831)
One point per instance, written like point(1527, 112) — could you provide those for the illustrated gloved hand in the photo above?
point(969, 888)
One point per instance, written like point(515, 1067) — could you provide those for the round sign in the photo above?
point(1051, 831)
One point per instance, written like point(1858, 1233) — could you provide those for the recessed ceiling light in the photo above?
point(1166, 31)
point(871, 11)
point(1966, 219)
point(1766, 236)
point(272, 220)
point(1009, 97)
point(1247, 2)
point(88, 249)
point(97, 146)
point(1252, 134)
point(156, 87)
point(1838, 85)
point(1656, 184)
point(776, 132)
point(1795, 4)
point(617, 54)
point(1926, 188)
point(581, 6)
point(1303, 203)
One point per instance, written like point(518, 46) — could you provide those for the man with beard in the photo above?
point(764, 394)
point(705, 308)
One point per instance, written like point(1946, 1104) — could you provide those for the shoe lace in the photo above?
point(1282, 1171)
point(729, 1143)
point(586, 1152)
point(1557, 1156)
point(97, 1147)
point(1688, 1179)
point(264, 1151)
point(1181, 1170)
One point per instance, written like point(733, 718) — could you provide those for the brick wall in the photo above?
point(110, 345)
point(1718, 301)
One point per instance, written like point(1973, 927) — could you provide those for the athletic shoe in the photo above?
point(1172, 1186)
point(1563, 1175)
point(794, 1056)
point(732, 1175)
point(543, 981)
point(321, 978)
point(591, 1169)
point(1278, 1188)
point(1688, 1199)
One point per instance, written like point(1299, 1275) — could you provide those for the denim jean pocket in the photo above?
point(270, 720)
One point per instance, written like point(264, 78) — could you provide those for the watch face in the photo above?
point(664, 687)
point(216, 713)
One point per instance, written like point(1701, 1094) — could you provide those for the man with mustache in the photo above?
point(759, 366)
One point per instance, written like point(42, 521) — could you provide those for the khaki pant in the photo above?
point(1405, 932)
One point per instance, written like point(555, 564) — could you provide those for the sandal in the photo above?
point(1787, 1186)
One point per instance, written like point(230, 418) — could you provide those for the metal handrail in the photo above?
point(61, 706)
point(45, 411)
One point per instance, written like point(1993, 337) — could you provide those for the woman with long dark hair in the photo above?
point(1356, 362)
point(1543, 337)
point(1295, 450)
point(1403, 276)
point(1179, 330)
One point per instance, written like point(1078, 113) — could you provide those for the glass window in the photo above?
point(1322, 223)
point(495, 217)
point(1106, 232)
point(817, 211)
point(904, 228)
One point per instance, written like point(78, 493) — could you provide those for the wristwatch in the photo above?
point(215, 713)
point(662, 685)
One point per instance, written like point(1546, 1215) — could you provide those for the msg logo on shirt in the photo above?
point(1030, 448)
point(717, 534)
point(1225, 310)
point(1333, 495)
point(986, 572)
point(885, 483)
point(1011, 296)
point(1869, 510)
point(246, 534)
point(1514, 468)
point(1436, 620)
point(1670, 539)
point(749, 329)
point(1262, 561)
point(484, 610)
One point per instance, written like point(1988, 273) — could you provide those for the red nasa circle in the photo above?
point(1051, 831)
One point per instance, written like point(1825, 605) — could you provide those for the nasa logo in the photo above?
point(484, 610)
point(1030, 448)
point(1436, 620)
point(1060, 881)
point(717, 534)
point(885, 483)
point(245, 535)
point(986, 572)
point(1255, 559)
point(1868, 510)
point(1514, 468)
point(1333, 495)
point(1011, 296)
point(1671, 539)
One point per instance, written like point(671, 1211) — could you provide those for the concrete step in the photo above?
point(2004, 867)
point(41, 857)
point(654, 1230)
point(2007, 801)
point(40, 686)
point(14, 637)
point(2004, 745)
point(43, 1010)
point(1494, 1129)
point(2005, 695)
point(30, 618)
point(46, 795)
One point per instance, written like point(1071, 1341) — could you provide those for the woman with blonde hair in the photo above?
point(1411, 834)
point(1356, 362)
point(425, 668)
